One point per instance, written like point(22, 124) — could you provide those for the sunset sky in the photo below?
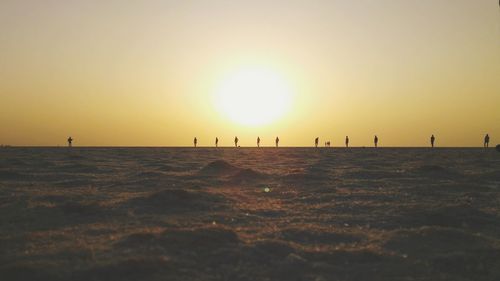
point(158, 73)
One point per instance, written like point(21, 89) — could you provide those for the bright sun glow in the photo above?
point(253, 96)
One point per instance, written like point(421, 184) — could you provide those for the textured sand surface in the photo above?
point(249, 214)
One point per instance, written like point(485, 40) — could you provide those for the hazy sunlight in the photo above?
point(253, 96)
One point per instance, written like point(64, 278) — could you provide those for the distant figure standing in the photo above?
point(195, 141)
point(258, 141)
point(432, 140)
point(70, 141)
point(316, 141)
point(375, 140)
point(216, 142)
point(236, 141)
point(277, 141)
point(346, 141)
point(486, 140)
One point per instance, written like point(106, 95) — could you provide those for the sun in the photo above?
point(253, 96)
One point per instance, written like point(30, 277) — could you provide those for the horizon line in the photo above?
point(230, 147)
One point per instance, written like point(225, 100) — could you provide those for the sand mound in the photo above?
point(271, 249)
point(218, 168)
point(231, 173)
point(247, 175)
point(170, 200)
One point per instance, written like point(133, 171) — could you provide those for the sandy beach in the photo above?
point(249, 214)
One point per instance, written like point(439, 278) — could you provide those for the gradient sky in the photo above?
point(144, 72)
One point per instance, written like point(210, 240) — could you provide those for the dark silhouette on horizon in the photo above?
point(498, 147)
point(70, 142)
point(486, 140)
point(486, 143)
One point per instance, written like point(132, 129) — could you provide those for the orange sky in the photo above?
point(140, 73)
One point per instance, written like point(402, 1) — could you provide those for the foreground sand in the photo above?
point(249, 214)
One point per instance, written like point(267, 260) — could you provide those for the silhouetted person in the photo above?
point(432, 140)
point(216, 142)
point(258, 141)
point(375, 140)
point(277, 141)
point(486, 140)
point(346, 141)
point(70, 141)
point(236, 141)
point(195, 141)
point(316, 141)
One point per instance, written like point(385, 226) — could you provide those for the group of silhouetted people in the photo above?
point(316, 141)
point(236, 140)
point(486, 141)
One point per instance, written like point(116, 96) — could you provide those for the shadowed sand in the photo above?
point(249, 214)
